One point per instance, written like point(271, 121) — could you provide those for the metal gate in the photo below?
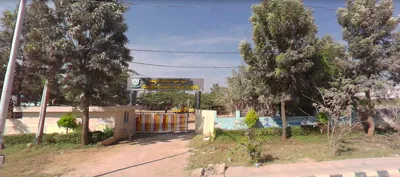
point(161, 122)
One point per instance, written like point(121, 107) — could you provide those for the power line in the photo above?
point(212, 7)
point(202, 7)
point(193, 67)
point(188, 52)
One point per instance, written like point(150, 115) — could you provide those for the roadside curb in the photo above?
point(365, 173)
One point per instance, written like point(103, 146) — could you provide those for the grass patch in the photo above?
point(226, 148)
point(24, 161)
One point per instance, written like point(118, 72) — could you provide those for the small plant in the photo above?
point(67, 121)
point(253, 146)
point(108, 132)
point(251, 118)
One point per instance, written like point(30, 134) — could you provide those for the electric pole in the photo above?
point(9, 77)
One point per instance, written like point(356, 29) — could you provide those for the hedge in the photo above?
point(55, 138)
point(273, 131)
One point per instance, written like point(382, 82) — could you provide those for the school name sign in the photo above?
point(183, 84)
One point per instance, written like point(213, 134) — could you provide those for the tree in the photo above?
point(67, 121)
point(25, 85)
point(241, 91)
point(337, 102)
point(45, 49)
point(98, 57)
point(368, 27)
point(284, 38)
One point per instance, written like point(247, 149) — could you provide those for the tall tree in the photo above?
point(241, 91)
point(284, 38)
point(367, 27)
point(96, 29)
point(25, 83)
point(45, 49)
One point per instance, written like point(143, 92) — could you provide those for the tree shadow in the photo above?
point(145, 139)
point(20, 126)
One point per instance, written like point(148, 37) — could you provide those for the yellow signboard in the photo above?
point(168, 84)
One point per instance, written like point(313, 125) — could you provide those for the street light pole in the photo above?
point(9, 77)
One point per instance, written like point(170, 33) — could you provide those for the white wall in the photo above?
point(100, 117)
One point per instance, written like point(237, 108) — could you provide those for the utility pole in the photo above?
point(9, 77)
point(42, 115)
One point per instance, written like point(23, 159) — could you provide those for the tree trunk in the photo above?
point(370, 120)
point(284, 123)
point(42, 114)
point(85, 126)
point(67, 131)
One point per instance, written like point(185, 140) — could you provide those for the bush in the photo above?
point(71, 138)
point(10, 140)
point(67, 121)
point(272, 131)
point(50, 138)
point(304, 130)
point(55, 138)
point(108, 132)
point(253, 146)
point(251, 118)
point(298, 131)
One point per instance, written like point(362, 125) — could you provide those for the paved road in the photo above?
point(317, 168)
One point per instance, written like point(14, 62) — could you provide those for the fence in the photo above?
point(160, 122)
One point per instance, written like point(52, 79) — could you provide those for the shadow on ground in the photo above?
point(145, 139)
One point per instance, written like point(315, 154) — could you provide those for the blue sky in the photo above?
point(198, 29)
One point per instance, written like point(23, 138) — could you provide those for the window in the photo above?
point(126, 116)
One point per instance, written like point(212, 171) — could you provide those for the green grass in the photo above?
point(226, 148)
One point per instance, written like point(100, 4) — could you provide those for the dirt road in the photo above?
point(149, 156)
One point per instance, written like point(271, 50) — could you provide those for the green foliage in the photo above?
point(253, 146)
point(55, 138)
point(108, 132)
point(322, 118)
point(67, 121)
point(284, 51)
point(273, 131)
point(304, 130)
point(71, 138)
point(19, 139)
point(251, 118)
point(241, 92)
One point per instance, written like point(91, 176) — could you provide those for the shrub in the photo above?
point(71, 138)
point(253, 146)
point(251, 118)
point(97, 136)
point(10, 140)
point(55, 138)
point(298, 131)
point(108, 132)
point(67, 121)
point(218, 132)
point(272, 131)
point(50, 138)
